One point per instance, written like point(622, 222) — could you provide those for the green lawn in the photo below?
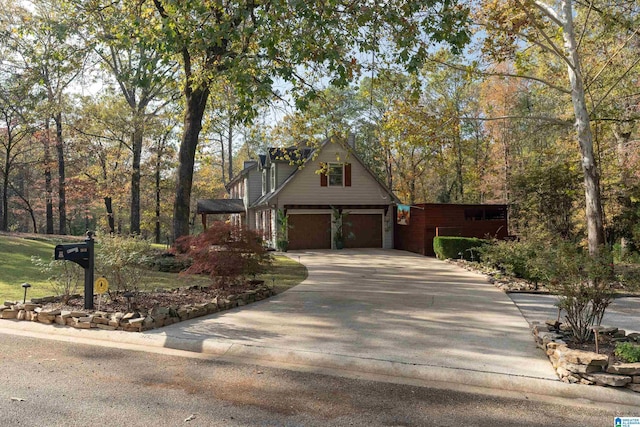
point(16, 268)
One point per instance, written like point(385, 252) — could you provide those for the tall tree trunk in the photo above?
point(196, 102)
point(222, 162)
point(62, 198)
point(48, 188)
point(5, 196)
point(157, 230)
point(593, 202)
point(110, 220)
point(230, 147)
point(136, 146)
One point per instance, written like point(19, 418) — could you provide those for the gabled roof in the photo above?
point(264, 200)
point(241, 175)
point(289, 154)
point(220, 206)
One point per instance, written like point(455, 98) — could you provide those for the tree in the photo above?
point(142, 74)
point(550, 29)
point(46, 48)
point(251, 44)
point(15, 136)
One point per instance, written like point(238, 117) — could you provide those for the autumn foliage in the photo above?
point(226, 252)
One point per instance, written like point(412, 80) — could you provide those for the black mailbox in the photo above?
point(78, 253)
point(81, 254)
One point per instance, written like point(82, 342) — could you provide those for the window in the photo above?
point(335, 173)
point(273, 177)
point(264, 182)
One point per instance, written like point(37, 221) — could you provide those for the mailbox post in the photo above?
point(81, 254)
point(88, 274)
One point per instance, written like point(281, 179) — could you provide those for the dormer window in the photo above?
point(264, 181)
point(273, 177)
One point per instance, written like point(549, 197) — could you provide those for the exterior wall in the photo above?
point(428, 220)
point(283, 171)
point(305, 189)
point(254, 185)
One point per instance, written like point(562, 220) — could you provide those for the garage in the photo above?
point(309, 231)
point(366, 229)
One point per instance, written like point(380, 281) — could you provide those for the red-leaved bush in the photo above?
point(226, 252)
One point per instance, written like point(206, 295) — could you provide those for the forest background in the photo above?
point(465, 102)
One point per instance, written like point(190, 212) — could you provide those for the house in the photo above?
point(415, 231)
point(323, 191)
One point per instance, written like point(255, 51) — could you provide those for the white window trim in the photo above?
point(329, 166)
point(273, 177)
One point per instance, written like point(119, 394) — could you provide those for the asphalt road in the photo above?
point(53, 383)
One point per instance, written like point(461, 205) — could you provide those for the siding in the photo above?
point(305, 188)
point(427, 218)
point(283, 170)
point(254, 178)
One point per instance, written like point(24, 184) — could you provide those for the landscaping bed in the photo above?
point(573, 362)
point(141, 312)
point(580, 363)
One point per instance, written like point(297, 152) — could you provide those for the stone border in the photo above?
point(134, 321)
point(586, 367)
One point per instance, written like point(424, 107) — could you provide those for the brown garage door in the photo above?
point(366, 229)
point(312, 231)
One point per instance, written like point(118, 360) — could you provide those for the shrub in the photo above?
point(122, 261)
point(167, 262)
point(447, 247)
point(628, 352)
point(227, 253)
point(583, 283)
point(515, 258)
point(64, 277)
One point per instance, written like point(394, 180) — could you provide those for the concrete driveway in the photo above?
point(378, 307)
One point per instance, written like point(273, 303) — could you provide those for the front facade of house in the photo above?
point(326, 192)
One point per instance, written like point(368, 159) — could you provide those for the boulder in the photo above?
point(608, 379)
point(581, 357)
point(624, 368)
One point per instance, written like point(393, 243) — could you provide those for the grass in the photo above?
point(16, 268)
point(284, 273)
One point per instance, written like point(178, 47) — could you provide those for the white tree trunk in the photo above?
point(595, 228)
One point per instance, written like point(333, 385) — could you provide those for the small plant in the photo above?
point(226, 252)
point(339, 222)
point(64, 277)
point(122, 261)
point(282, 234)
point(628, 352)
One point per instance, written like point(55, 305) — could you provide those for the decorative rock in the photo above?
point(78, 314)
point(45, 318)
point(136, 321)
point(636, 379)
point(581, 357)
point(106, 327)
point(30, 306)
point(100, 320)
point(82, 325)
point(21, 315)
point(581, 369)
point(634, 336)
point(633, 387)
point(61, 320)
point(131, 315)
point(608, 379)
point(625, 369)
